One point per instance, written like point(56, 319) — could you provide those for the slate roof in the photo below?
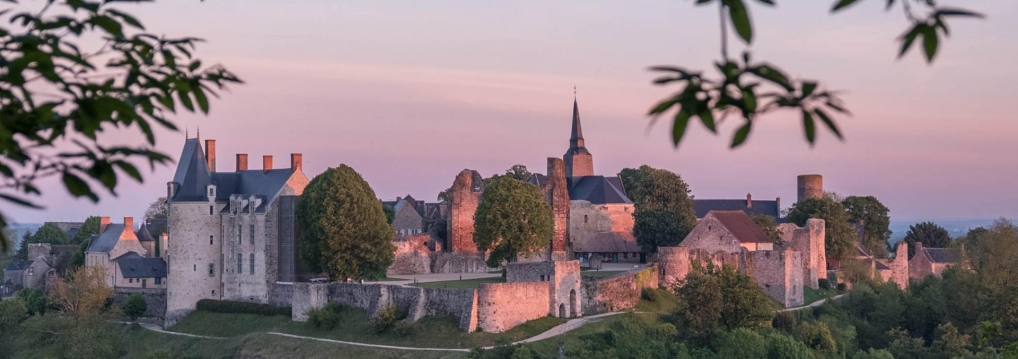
point(704, 206)
point(18, 265)
point(143, 234)
point(608, 242)
point(193, 175)
point(597, 190)
point(860, 251)
point(538, 179)
point(941, 255)
point(882, 266)
point(576, 137)
point(135, 266)
point(105, 241)
point(741, 226)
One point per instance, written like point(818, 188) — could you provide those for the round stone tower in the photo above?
point(810, 186)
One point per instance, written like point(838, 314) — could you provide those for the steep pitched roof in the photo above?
point(704, 206)
point(141, 267)
point(192, 175)
point(18, 265)
point(597, 190)
point(538, 179)
point(106, 240)
point(941, 255)
point(743, 228)
point(576, 145)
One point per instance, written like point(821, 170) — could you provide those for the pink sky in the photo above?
point(410, 93)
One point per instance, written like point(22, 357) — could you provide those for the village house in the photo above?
point(931, 261)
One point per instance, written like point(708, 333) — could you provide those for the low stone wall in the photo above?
point(502, 306)
point(617, 293)
point(460, 303)
point(415, 302)
point(155, 300)
point(453, 262)
point(281, 294)
point(307, 296)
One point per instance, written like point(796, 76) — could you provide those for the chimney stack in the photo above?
point(103, 221)
point(210, 154)
point(777, 202)
point(241, 162)
point(129, 223)
point(266, 163)
point(749, 200)
point(296, 162)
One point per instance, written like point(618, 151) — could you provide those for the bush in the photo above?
point(134, 306)
point(404, 328)
point(326, 317)
point(650, 294)
point(784, 321)
point(225, 306)
point(386, 319)
point(842, 287)
point(824, 283)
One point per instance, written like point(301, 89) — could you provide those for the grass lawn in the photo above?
point(810, 295)
point(459, 284)
point(601, 273)
point(664, 303)
point(430, 332)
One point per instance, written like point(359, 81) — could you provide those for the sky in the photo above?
point(409, 93)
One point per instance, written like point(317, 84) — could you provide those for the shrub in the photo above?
point(824, 283)
point(784, 321)
point(650, 294)
point(842, 287)
point(225, 306)
point(326, 317)
point(134, 306)
point(386, 319)
point(404, 328)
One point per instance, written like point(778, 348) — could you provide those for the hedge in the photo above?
point(225, 306)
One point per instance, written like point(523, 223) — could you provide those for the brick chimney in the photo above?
point(918, 248)
point(266, 163)
point(103, 221)
point(749, 200)
point(210, 154)
point(129, 223)
point(777, 201)
point(241, 162)
point(296, 162)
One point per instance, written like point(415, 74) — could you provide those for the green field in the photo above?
point(459, 284)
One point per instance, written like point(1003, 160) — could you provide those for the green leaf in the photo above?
point(129, 169)
point(679, 127)
point(908, 38)
point(809, 127)
point(948, 11)
point(890, 3)
point(930, 42)
point(768, 2)
point(199, 97)
point(842, 4)
point(108, 24)
point(663, 106)
point(742, 134)
point(78, 187)
point(773, 75)
point(807, 88)
point(829, 122)
point(707, 117)
point(130, 20)
point(740, 19)
point(19, 201)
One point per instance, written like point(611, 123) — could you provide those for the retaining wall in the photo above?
point(617, 293)
point(502, 306)
point(155, 300)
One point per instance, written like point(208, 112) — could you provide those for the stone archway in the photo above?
point(562, 310)
point(573, 305)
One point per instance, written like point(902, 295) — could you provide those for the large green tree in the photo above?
point(158, 209)
point(87, 230)
point(712, 299)
point(992, 252)
point(663, 213)
point(841, 237)
point(60, 89)
point(512, 218)
point(930, 234)
point(875, 220)
point(344, 231)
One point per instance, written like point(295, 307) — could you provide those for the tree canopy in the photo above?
point(344, 231)
point(769, 227)
point(712, 299)
point(876, 222)
point(59, 91)
point(87, 230)
point(841, 237)
point(930, 234)
point(663, 209)
point(158, 209)
point(519, 172)
point(512, 218)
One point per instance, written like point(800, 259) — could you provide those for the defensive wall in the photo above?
point(155, 299)
point(618, 292)
point(502, 306)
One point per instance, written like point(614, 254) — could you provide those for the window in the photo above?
point(252, 263)
point(240, 232)
point(252, 234)
point(130, 280)
point(240, 264)
point(195, 269)
point(159, 281)
point(210, 240)
point(211, 208)
point(222, 260)
point(31, 271)
point(144, 283)
point(625, 255)
point(584, 218)
point(212, 269)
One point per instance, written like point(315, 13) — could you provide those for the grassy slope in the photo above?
point(459, 284)
point(811, 295)
point(354, 327)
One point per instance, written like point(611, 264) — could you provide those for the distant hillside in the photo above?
point(18, 230)
point(956, 227)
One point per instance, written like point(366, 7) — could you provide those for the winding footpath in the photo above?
point(560, 329)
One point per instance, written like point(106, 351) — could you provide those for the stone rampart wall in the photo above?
point(155, 300)
point(617, 293)
point(446, 262)
point(779, 273)
point(281, 294)
point(460, 303)
point(307, 296)
point(502, 306)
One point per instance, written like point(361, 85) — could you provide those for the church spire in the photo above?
point(576, 139)
point(578, 160)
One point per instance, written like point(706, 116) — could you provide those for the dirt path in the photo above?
point(811, 305)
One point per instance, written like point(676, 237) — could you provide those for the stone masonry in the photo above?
point(556, 193)
point(809, 241)
point(779, 273)
point(466, 195)
point(563, 278)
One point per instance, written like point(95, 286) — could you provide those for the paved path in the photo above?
point(560, 329)
point(811, 305)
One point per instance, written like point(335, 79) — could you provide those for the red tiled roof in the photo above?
point(743, 228)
